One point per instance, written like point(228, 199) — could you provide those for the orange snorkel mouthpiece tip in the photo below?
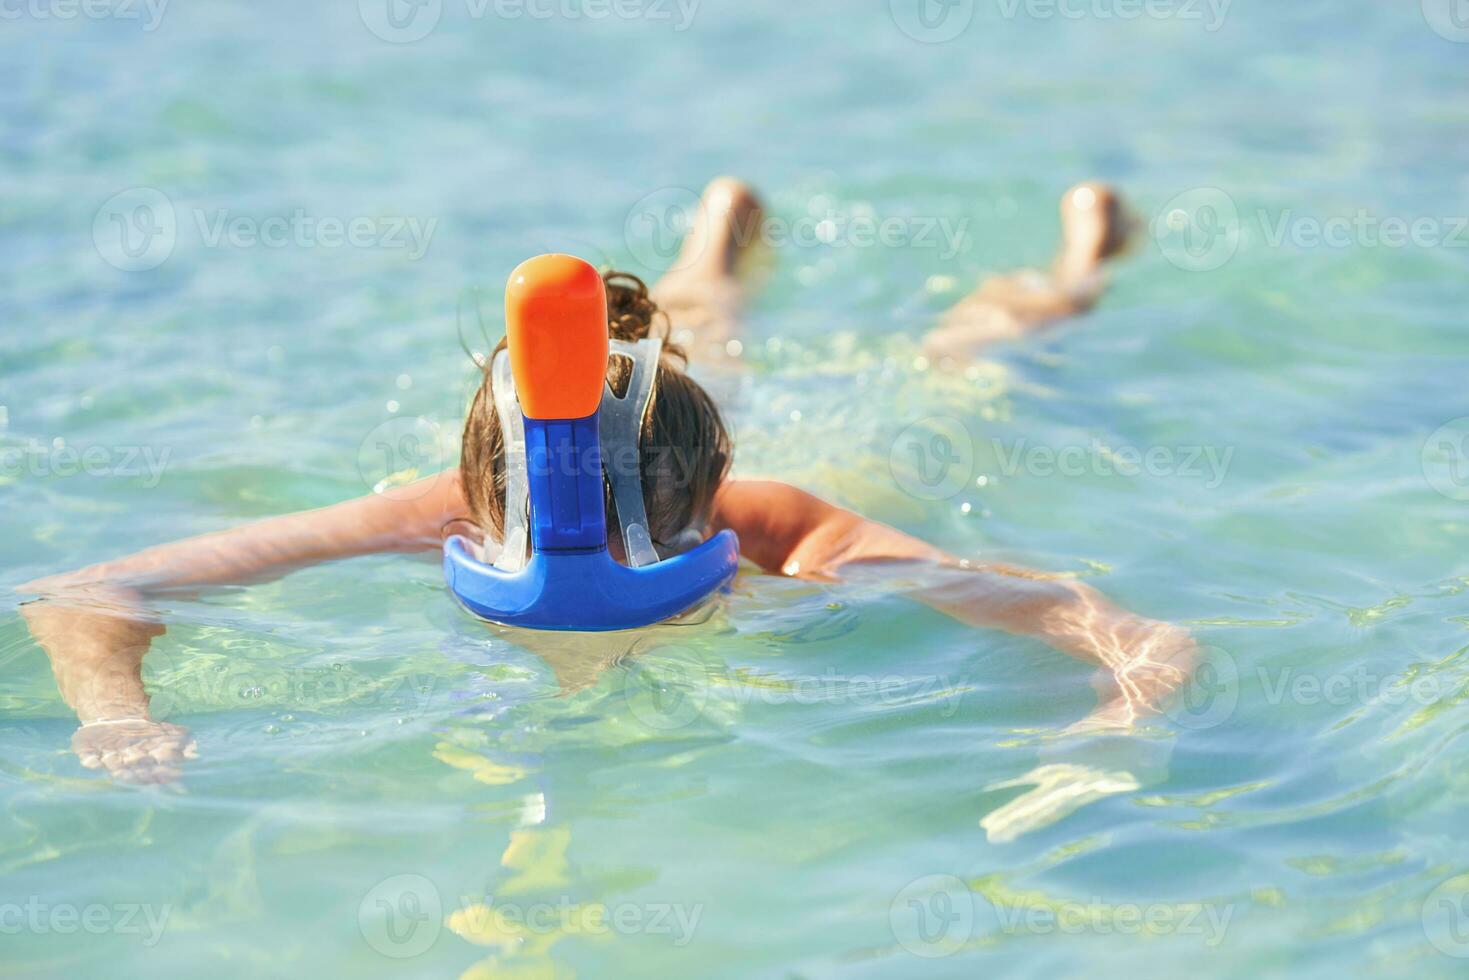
point(556, 328)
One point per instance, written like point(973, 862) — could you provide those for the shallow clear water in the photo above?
point(769, 792)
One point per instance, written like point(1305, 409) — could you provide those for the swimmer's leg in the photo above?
point(704, 292)
point(970, 327)
point(1094, 228)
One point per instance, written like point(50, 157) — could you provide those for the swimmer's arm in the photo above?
point(411, 519)
point(788, 531)
point(96, 652)
point(791, 532)
point(96, 649)
point(95, 625)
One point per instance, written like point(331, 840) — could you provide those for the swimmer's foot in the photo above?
point(704, 292)
point(726, 225)
point(1094, 228)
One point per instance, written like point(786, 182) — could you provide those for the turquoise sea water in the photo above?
point(795, 786)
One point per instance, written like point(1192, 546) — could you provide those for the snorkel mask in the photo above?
point(556, 410)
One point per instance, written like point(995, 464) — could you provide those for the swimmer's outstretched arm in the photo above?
point(406, 519)
point(788, 531)
point(96, 626)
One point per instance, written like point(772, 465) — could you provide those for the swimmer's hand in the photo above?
point(1074, 772)
point(1145, 661)
point(96, 638)
point(135, 750)
point(1060, 790)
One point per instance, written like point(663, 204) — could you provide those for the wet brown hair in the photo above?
point(685, 450)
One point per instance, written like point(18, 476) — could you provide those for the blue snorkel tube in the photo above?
point(556, 329)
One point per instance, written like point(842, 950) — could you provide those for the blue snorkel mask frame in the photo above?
point(553, 369)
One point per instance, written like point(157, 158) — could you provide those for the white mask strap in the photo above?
point(621, 431)
point(621, 427)
point(516, 547)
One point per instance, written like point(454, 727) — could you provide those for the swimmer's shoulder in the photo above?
point(790, 531)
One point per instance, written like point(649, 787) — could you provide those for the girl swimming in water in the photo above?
point(96, 626)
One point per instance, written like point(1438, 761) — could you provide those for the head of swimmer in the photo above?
point(684, 448)
point(1094, 222)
